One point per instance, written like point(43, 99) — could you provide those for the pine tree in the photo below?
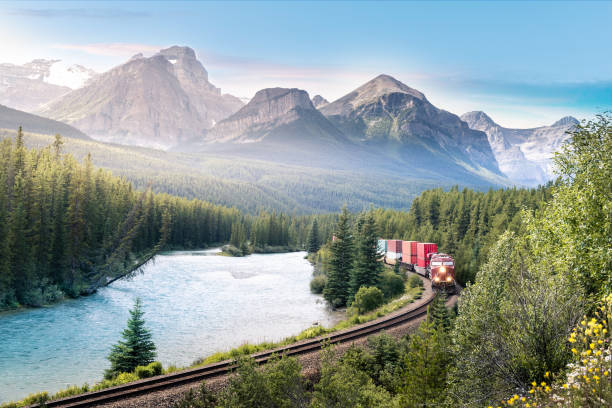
point(313, 238)
point(396, 269)
point(341, 262)
point(438, 314)
point(136, 348)
point(367, 267)
point(426, 368)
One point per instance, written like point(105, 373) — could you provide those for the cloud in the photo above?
point(111, 49)
point(78, 13)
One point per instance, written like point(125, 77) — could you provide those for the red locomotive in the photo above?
point(442, 272)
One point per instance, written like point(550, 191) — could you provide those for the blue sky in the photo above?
point(525, 63)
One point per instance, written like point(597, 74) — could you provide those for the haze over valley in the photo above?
point(380, 144)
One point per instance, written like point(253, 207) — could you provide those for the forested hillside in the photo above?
point(67, 228)
point(248, 184)
point(464, 223)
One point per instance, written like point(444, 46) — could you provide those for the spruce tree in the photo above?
point(367, 267)
point(396, 269)
point(438, 314)
point(340, 264)
point(313, 238)
point(136, 348)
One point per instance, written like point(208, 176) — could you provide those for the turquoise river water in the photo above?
point(195, 303)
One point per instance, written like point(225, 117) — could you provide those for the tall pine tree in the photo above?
point(313, 238)
point(336, 291)
point(367, 267)
point(136, 348)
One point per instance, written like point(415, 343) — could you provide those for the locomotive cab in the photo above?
point(442, 272)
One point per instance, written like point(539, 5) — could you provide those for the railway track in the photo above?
point(224, 367)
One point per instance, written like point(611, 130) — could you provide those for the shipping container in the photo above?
point(394, 245)
point(423, 250)
point(409, 252)
point(382, 246)
point(393, 257)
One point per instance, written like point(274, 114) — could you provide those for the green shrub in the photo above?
point(368, 299)
point(414, 281)
point(392, 285)
point(72, 390)
point(143, 372)
point(317, 284)
point(156, 368)
point(36, 398)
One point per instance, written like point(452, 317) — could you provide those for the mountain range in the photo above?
point(383, 130)
point(524, 155)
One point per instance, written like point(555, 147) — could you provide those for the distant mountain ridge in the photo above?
point(29, 86)
point(11, 119)
point(524, 155)
point(160, 101)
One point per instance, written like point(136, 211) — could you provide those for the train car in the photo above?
point(424, 252)
point(409, 254)
point(382, 246)
point(442, 272)
point(394, 251)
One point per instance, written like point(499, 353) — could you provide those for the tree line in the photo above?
point(67, 228)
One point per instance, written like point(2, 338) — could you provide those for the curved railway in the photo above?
point(167, 381)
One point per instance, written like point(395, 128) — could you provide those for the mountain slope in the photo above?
point(280, 125)
point(159, 101)
point(524, 155)
point(399, 121)
point(11, 119)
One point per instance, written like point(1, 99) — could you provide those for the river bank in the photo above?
point(196, 303)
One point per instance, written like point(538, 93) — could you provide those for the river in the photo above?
point(195, 303)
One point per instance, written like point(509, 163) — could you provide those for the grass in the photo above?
point(123, 378)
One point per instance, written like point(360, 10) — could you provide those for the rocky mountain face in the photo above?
point(318, 101)
point(524, 155)
point(159, 101)
point(11, 119)
point(279, 114)
point(382, 126)
point(387, 113)
point(29, 86)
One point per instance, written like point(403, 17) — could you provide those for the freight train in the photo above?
point(422, 258)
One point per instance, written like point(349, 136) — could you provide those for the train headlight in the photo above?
point(448, 278)
point(443, 269)
point(437, 279)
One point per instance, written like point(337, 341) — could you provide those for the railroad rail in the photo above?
point(166, 381)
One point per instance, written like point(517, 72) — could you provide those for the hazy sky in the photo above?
point(525, 63)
